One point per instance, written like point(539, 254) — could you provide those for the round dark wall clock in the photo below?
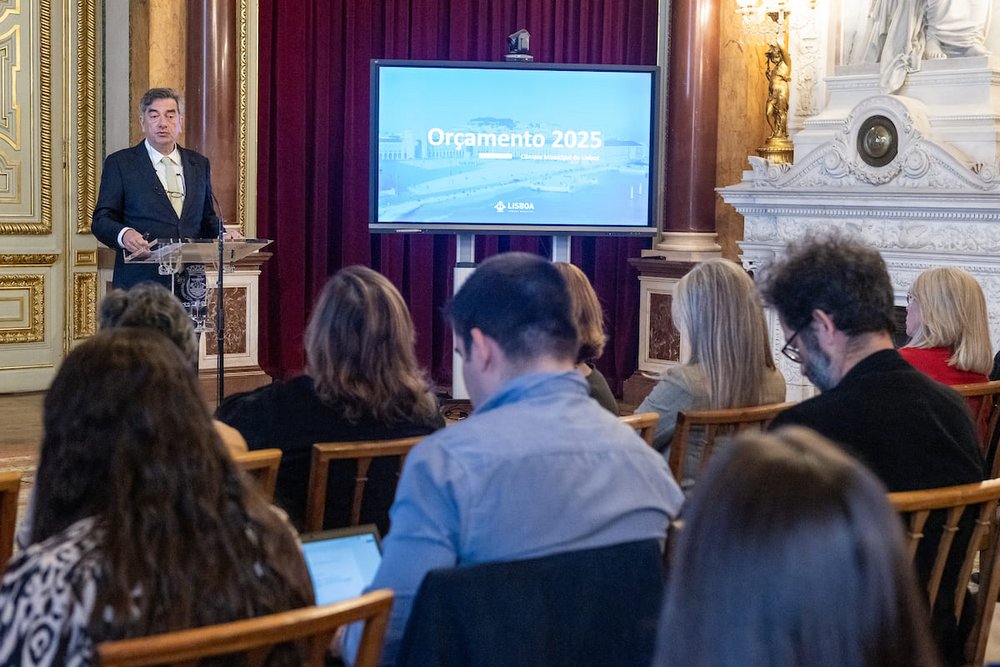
point(878, 141)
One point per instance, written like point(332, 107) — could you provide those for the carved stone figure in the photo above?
point(901, 33)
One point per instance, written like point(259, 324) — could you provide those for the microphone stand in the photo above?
point(220, 316)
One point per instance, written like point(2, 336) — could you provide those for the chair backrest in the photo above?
point(957, 523)
point(989, 415)
point(10, 486)
point(712, 424)
point(262, 465)
point(364, 452)
point(644, 423)
point(313, 627)
point(592, 607)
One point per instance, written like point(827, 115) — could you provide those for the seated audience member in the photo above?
point(142, 523)
point(152, 306)
point(362, 382)
point(590, 324)
point(948, 327)
point(148, 306)
point(834, 300)
point(539, 468)
point(790, 555)
point(728, 364)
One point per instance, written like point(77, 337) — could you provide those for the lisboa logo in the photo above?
point(514, 206)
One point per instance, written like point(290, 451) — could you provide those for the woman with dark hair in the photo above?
point(590, 323)
point(362, 382)
point(790, 555)
point(142, 524)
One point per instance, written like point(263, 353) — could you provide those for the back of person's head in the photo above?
point(129, 443)
point(360, 350)
point(154, 94)
point(791, 556)
point(836, 274)
point(953, 315)
point(151, 306)
point(520, 301)
point(586, 312)
point(718, 312)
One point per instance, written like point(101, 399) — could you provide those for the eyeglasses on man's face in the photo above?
point(791, 350)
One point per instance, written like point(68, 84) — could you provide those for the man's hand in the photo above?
point(232, 234)
point(134, 244)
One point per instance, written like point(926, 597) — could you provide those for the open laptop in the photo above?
point(342, 561)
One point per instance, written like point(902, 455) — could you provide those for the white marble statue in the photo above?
point(901, 33)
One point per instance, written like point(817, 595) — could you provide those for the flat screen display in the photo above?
point(513, 148)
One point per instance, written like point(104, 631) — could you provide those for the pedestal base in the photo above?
point(634, 391)
point(237, 380)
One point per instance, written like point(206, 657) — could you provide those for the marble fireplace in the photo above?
point(915, 174)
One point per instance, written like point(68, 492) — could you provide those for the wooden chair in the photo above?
point(364, 451)
point(644, 423)
point(262, 465)
point(713, 424)
point(951, 504)
point(988, 414)
point(10, 486)
point(256, 637)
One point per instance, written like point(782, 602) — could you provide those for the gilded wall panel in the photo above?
point(26, 188)
point(9, 7)
point(86, 114)
point(10, 67)
point(22, 303)
point(84, 305)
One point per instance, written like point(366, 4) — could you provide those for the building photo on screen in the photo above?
point(517, 148)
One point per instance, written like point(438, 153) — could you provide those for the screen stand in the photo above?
point(561, 249)
point(465, 264)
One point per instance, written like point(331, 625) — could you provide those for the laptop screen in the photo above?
point(342, 562)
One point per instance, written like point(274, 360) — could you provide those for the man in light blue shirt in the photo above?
point(539, 468)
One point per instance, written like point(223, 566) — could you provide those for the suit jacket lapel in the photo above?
point(192, 182)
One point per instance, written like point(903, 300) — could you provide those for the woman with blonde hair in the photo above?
point(589, 320)
point(362, 382)
point(948, 327)
point(790, 555)
point(726, 356)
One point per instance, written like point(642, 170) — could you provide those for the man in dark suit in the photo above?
point(153, 190)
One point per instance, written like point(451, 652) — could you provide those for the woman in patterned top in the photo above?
point(142, 524)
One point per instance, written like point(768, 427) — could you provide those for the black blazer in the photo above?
point(131, 195)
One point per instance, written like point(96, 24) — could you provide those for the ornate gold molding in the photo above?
point(84, 305)
point(10, 67)
point(28, 259)
point(44, 224)
point(9, 7)
point(34, 332)
point(86, 113)
point(86, 258)
point(243, 112)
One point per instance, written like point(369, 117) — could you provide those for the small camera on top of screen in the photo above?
point(517, 47)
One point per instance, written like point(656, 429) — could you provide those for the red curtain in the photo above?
point(313, 155)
